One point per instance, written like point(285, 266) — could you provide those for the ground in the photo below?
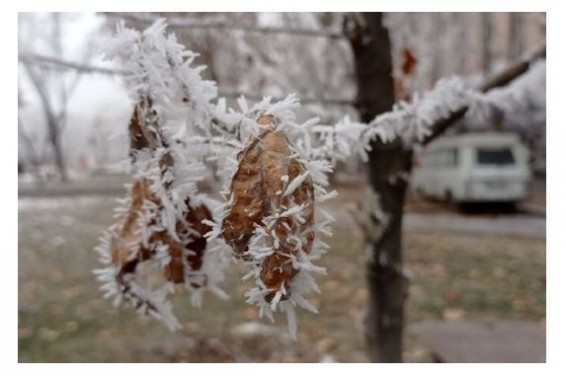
point(455, 275)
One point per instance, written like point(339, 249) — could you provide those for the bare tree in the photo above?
point(53, 88)
point(390, 166)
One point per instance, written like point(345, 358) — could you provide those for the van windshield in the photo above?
point(497, 157)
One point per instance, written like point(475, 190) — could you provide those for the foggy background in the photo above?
point(478, 278)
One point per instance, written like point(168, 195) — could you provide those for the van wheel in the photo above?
point(509, 207)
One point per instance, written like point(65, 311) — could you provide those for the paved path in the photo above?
point(515, 224)
point(520, 225)
point(476, 342)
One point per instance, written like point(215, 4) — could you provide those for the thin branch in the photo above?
point(67, 91)
point(222, 25)
point(39, 86)
point(506, 76)
point(54, 63)
point(501, 79)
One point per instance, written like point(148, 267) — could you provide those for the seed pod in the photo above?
point(270, 180)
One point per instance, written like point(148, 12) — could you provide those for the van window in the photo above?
point(441, 158)
point(497, 157)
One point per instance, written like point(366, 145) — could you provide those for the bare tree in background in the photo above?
point(487, 42)
point(54, 89)
point(462, 42)
point(516, 35)
point(32, 156)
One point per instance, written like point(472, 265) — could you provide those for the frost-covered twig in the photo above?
point(163, 220)
point(530, 87)
point(426, 116)
point(410, 121)
point(501, 79)
point(222, 25)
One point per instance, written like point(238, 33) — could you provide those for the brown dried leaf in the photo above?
point(121, 250)
point(265, 168)
point(137, 138)
point(194, 241)
point(197, 242)
point(144, 133)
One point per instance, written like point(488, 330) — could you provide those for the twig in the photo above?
point(501, 79)
point(55, 63)
point(183, 24)
point(304, 100)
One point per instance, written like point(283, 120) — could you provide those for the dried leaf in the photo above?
point(266, 170)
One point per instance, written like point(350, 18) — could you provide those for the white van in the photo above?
point(474, 167)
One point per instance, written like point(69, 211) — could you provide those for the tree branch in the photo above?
point(54, 63)
point(501, 79)
point(304, 100)
point(221, 25)
point(506, 76)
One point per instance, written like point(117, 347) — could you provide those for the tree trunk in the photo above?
point(59, 159)
point(389, 167)
point(53, 127)
point(54, 122)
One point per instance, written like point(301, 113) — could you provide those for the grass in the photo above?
point(478, 277)
point(63, 318)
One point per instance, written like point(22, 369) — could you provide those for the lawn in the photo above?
point(63, 318)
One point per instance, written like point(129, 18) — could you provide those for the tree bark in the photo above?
point(389, 166)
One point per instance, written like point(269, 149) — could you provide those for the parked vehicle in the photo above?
point(474, 167)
